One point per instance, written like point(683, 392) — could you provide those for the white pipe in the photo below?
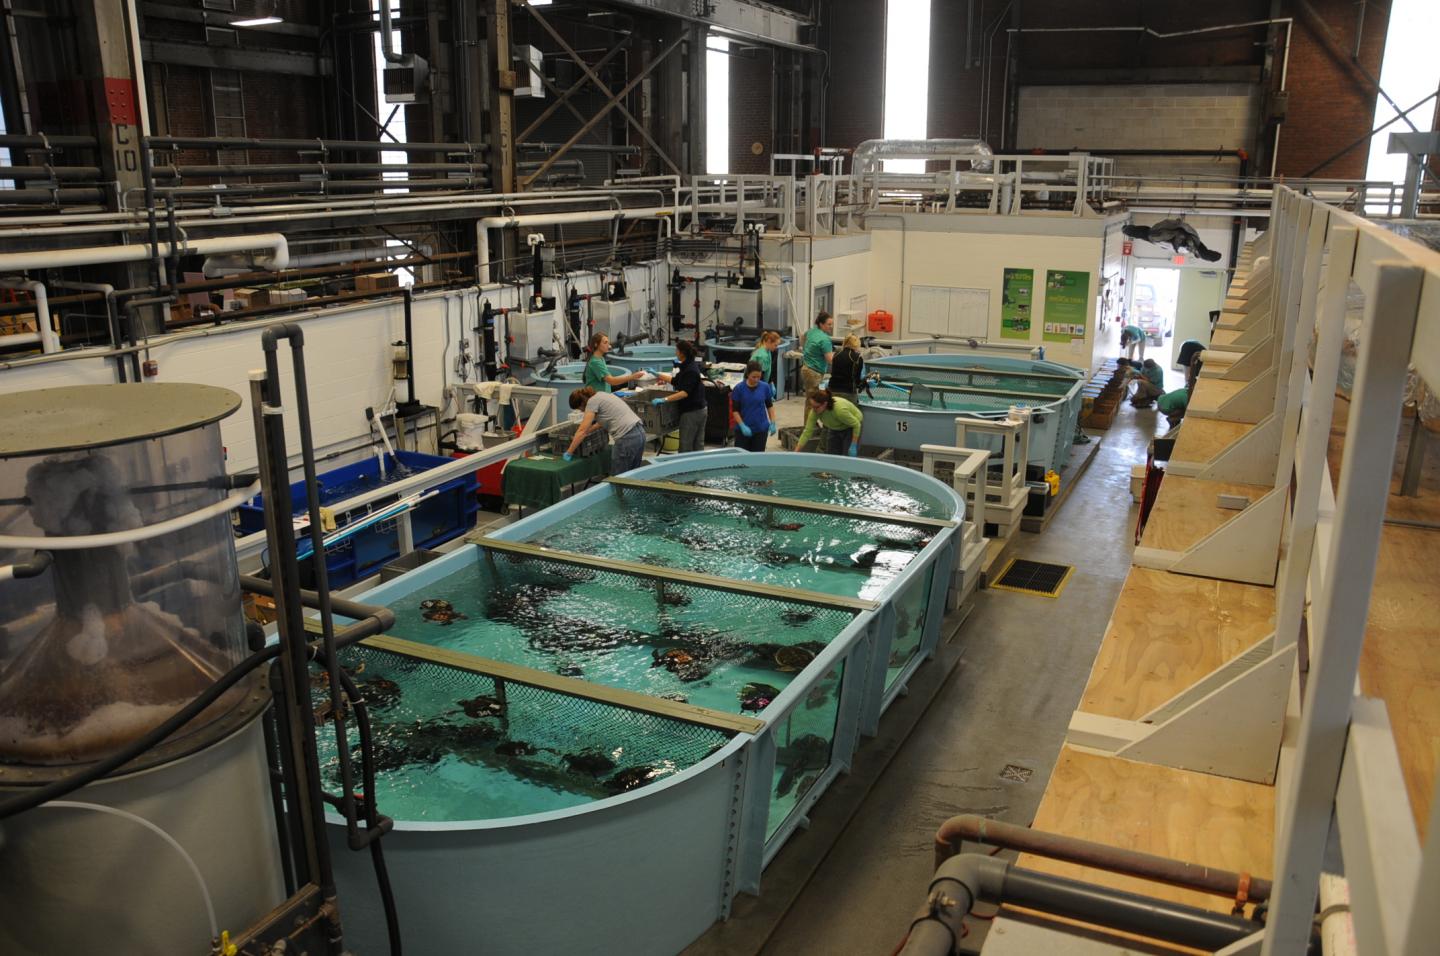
point(550, 219)
point(45, 332)
point(77, 542)
point(97, 255)
point(175, 844)
point(219, 266)
point(1337, 927)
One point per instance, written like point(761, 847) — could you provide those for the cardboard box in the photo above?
point(252, 298)
point(376, 282)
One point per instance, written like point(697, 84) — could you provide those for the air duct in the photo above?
point(868, 155)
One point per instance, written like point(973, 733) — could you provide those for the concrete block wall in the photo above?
point(1217, 116)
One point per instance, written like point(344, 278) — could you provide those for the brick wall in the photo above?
point(1329, 103)
point(751, 90)
point(855, 99)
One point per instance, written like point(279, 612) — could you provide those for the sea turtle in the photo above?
point(673, 598)
point(443, 616)
point(823, 475)
point(515, 748)
point(804, 753)
point(786, 526)
point(757, 696)
point(570, 670)
point(675, 696)
point(589, 762)
point(482, 706)
point(379, 692)
point(818, 696)
point(632, 777)
point(760, 482)
point(436, 604)
point(865, 557)
point(796, 618)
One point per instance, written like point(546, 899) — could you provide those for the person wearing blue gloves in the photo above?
point(603, 410)
point(840, 419)
point(689, 394)
point(752, 409)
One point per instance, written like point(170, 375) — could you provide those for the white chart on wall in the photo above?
point(941, 310)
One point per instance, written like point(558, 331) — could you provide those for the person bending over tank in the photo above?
point(840, 419)
point(603, 410)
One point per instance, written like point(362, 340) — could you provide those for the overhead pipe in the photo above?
point(387, 40)
point(964, 880)
point(44, 332)
point(552, 219)
point(622, 148)
point(214, 143)
point(220, 266)
point(301, 169)
point(869, 154)
point(278, 259)
point(1054, 846)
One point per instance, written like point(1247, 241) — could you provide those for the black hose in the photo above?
point(69, 784)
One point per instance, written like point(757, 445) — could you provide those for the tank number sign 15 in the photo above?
point(902, 426)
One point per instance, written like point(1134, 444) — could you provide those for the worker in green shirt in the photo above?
point(1172, 405)
point(819, 350)
point(764, 354)
point(1149, 383)
point(597, 373)
point(840, 419)
point(1132, 340)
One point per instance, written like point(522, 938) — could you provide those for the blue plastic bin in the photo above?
point(447, 514)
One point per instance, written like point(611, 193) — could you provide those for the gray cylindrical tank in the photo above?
point(109, 640)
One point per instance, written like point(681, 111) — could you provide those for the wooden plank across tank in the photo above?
point(1201, 440)
point(1399, 662)
point(1196, 817)
point(1186, 510)
point(1210, 396)
point(1167, 632)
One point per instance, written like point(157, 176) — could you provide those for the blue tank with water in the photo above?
point(656, 678)
point(918, 397)
point(636, 358)
point(566, 378)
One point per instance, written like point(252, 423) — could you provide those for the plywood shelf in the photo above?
point(1167, 632)
point(1201, 440)
point(1185, 511)
point(1213, 821)
point(1211, 394)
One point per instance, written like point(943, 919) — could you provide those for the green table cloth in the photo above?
point(540, 481)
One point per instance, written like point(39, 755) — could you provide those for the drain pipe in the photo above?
point(278, 259)
point(963, 880)
point(1054, 846)
point(44, 332)
point(111, 315)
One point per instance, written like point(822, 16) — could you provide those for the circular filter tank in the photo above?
point(111, 639)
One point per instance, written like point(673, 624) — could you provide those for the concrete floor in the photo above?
point(1025, 662)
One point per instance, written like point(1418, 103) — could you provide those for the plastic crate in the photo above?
point(657, 419)
point(592, 444)
point(445, 515)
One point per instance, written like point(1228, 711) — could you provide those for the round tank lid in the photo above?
point(77, 417)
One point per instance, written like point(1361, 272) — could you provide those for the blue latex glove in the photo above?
point(773, 428)
point(657, 401)
point(623, 394)
point(568, 456)
point(854, 449)
point(651, 371)
point(744, 429)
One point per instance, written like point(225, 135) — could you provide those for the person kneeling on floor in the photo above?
point(1172, 405)
point(1149, 383)
point(839, 418)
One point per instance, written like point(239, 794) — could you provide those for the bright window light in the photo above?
point(907, 76)
point(257, 22)
point(392, 118)
point(717, 105)
point(1409, 73)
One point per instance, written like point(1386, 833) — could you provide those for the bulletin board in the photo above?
point(942, 310)
point(1067, 301)
point(1017, 296)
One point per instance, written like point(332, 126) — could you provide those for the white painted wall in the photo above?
point(845, 263)
point(977, 260)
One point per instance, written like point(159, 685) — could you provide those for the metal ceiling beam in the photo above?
point(214, 18)
point(739, 18)
point(177, 53)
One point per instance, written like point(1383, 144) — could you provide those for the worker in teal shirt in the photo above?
point(840, 418)
point(818, 352)
point(597, 372)
point(1172, 405)
point(764, 354)
point(1149, 383)
point(1132, 340)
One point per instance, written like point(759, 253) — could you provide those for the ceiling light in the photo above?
point(257, 21)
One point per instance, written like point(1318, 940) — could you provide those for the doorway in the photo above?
point(1154, 297)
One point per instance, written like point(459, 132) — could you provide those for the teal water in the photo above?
point(833, 486)
point(749, 542)
point(447, 750)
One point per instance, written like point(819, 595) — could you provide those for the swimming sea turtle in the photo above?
point(379, 692)
point(445, 616)
point(675, 696)
point(757, 696)
point(482, 706)
point(822, 475)
point(515, 748)
point(632, 777)
point(760, 482)
point(590, 762)
point(435, 604)
point(672, 598)
point(787, 526)
point(818, 696)
point(790, 659)
point(570, 670)
point(804, 753)
point(796, 618)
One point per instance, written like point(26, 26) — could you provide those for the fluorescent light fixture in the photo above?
point(257, 22)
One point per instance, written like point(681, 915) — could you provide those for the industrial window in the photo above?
point(717, 105)
point(392, 127)
point(1409, 73)
point(907, 76)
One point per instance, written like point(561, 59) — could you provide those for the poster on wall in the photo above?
point(1067, 299)
point(1015, 303)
